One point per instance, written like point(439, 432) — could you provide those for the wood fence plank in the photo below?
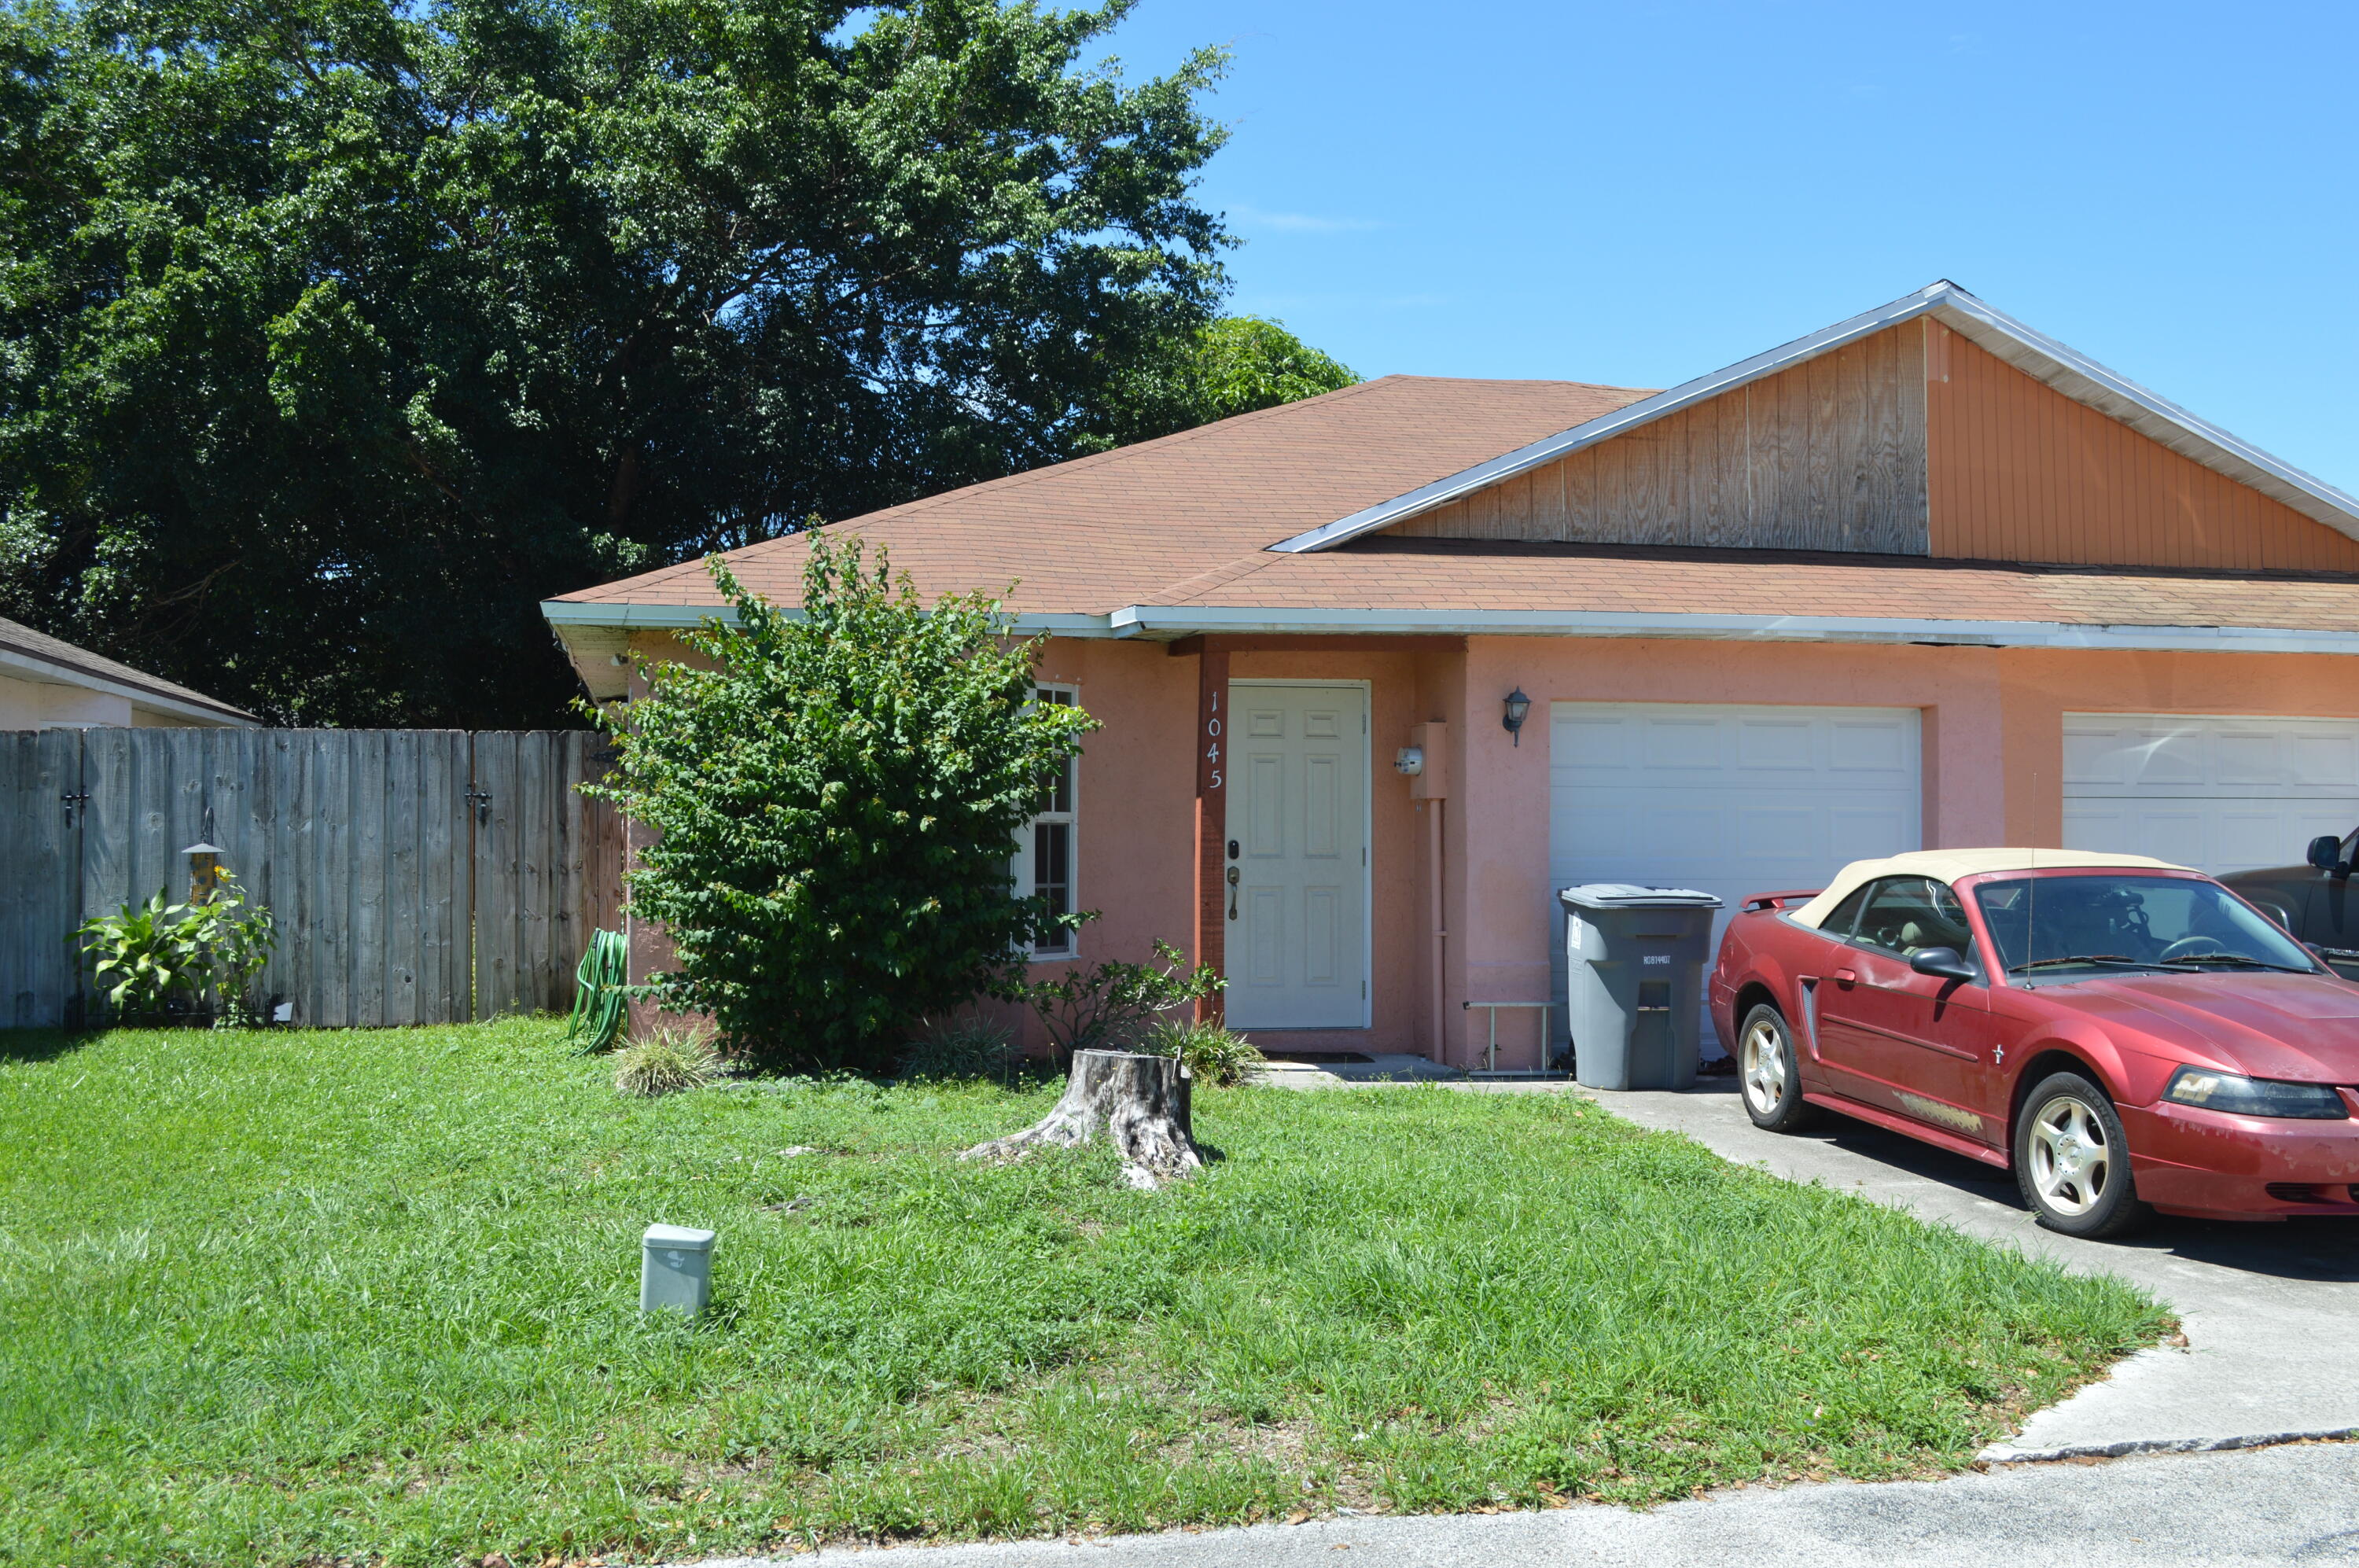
point(297, 890)
point(403, 749)
point(107, 821)
point(446, 943)
point(332, 843)
point(566, 881)
point(18, 892)
point(539, 931)
point(40, 897)
point(495, 871)
point(365, 753)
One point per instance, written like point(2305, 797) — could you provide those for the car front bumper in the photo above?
point(2210, 1165)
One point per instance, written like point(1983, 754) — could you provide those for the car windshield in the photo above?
point(2082, 923)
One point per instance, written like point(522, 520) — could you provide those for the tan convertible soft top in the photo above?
point(1949, 865)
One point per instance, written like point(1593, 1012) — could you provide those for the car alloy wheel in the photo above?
point(1766, 1073)
point(1763, 1065)
point(2072, 1160)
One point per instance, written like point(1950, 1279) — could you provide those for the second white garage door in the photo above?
point(2219, 794)
point(1733, 800)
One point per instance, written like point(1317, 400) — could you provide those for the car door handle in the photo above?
point(1846, 977)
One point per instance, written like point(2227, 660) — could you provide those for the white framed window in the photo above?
point(1045, 847)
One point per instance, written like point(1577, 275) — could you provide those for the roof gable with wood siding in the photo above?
point(2065, 461)
point(1830, 454)
point(1913, 440)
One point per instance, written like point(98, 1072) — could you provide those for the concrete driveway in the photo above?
point(2271, 1311)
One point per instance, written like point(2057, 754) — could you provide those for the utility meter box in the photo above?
point(1432, 781)
point(675, 1268)
point(1634, 962)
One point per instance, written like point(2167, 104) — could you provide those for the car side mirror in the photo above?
point(1942, 962)
point(2326, 852)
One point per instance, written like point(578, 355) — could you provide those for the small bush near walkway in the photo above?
point(291, 1296)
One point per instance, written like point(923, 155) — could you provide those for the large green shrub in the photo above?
point(835, 804)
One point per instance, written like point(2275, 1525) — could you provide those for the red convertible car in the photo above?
point(2126, 1035)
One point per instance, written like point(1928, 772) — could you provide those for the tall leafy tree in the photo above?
point(335, 333)
point(1234, 365)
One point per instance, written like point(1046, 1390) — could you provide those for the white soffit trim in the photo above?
point(2032, 352)
point(1170, 622)
point(1155, 621)
point(562, 613)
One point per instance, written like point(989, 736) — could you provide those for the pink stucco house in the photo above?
point(1927, 578)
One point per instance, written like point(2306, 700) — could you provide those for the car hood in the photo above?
point(2304, 1027)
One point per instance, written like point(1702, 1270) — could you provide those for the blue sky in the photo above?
point(1639, 193)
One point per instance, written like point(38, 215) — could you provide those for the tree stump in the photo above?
point(1142, 1104)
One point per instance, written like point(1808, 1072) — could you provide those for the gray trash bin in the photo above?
point(1634, 962)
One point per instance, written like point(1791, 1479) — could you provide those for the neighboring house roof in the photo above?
point(2030, 351)
point(1261, 523)
point(37, 655)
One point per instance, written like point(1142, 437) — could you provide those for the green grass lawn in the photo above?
point(287, 1296)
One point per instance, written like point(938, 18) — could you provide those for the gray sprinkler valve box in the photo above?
point(675, 1268)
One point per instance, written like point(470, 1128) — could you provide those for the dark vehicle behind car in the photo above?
point(2315, 901)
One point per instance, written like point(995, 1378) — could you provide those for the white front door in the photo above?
point(2218, 794)
point(1295, 868)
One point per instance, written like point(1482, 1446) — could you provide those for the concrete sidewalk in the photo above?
point(2271, 1311)
point(2277, 1506)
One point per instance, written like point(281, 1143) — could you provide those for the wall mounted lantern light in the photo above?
point(1517, 705)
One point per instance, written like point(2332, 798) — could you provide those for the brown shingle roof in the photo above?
point(1141, 523)
point(1187, 520)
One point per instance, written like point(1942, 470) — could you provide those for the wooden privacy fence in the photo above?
point(418, 876)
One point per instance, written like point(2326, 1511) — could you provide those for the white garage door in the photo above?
point(2219, 794)
point(1734, 801)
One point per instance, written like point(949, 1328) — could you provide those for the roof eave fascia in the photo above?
point(56, 672)
point(1169, 622)
point(562, 613)
point(2033, 352)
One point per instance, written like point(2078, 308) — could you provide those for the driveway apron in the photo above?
point(2271, 1311)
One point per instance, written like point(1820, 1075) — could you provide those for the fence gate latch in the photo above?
point(481, 801)
point(73, 798)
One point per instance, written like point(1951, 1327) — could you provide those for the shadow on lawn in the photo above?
point(29, 1045)
point(2323, 1248)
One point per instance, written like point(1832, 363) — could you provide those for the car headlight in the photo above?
point(2254, 1096)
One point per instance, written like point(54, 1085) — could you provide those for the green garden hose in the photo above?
point(598, 992)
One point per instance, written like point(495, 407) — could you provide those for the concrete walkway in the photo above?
point(2271, 1311)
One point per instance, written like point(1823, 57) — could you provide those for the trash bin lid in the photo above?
point(1627, 896)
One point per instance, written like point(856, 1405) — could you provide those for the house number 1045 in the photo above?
point(1212, 734)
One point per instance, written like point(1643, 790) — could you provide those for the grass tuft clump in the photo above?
point(1212, 1053)
point(965, 1047)
point(667, 1062)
